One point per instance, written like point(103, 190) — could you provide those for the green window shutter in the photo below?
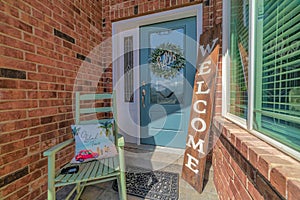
point(239, 36)
point(277, 100)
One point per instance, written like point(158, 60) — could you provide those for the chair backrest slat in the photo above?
point(93, 121)
point(96, 96)
point(95, 110)
point(79, 100)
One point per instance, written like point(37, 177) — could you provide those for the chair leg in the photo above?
point(122, 177)
point(51, 192)
point(119, 186)
point(79, 190)
point(51, 177)
point(122, 186)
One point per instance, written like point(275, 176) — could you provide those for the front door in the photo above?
point(167, 70)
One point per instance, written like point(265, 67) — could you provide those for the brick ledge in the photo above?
point(280, 170)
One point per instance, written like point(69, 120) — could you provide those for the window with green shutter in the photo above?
point(277, 71)
point(239, 37)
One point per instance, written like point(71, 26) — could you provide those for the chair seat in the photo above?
point(88, 171)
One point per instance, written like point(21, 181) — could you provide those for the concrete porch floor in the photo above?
point(153, 158)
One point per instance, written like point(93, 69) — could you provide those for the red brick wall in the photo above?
point(230, 180)
point(246, 167)
point(43, 43)
point(43, 47)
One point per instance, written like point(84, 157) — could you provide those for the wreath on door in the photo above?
point(167, 60)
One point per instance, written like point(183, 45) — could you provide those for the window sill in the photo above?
point(280, 170)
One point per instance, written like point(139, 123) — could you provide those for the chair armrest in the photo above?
point(120, 140)
point(58, 147)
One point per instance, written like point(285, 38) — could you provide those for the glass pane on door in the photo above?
point(167, 82)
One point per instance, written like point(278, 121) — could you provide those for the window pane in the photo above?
point(277, 100)
point(239, 28)
point(128, 69)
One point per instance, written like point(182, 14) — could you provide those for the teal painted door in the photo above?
point(167, 70)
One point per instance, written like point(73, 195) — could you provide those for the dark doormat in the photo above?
point(155, 185)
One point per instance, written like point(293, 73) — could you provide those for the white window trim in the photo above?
point(246, 124)
point(225, 57)
point(251, 72)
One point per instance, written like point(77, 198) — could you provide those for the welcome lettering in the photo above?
point(201, 110)
point(204, 69)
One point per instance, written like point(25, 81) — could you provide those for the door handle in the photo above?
point(143, 97)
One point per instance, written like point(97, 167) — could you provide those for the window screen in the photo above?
point(239, 37)
point(277, 99)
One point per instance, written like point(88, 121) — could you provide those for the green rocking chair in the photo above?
point(92, 172)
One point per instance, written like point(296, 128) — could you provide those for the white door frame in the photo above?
point(129, 113)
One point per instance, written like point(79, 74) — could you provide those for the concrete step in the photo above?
point(152, 157)
point(157, 158)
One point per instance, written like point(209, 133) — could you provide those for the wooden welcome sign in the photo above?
point(202, 109)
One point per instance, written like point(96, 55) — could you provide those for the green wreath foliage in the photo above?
point(170, 70)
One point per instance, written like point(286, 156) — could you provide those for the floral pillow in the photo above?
point(93, 141)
